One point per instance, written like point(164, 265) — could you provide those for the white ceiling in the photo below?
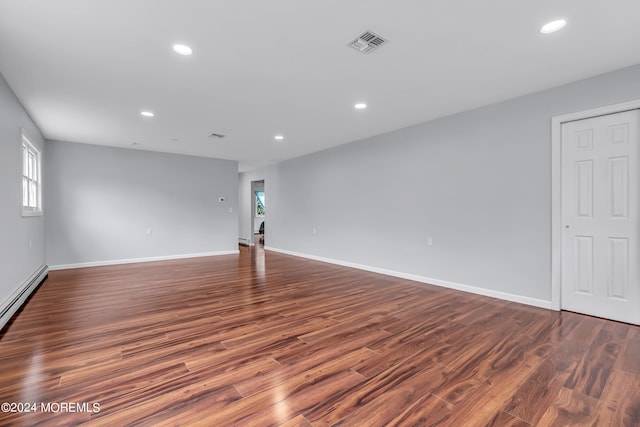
point(84, 69)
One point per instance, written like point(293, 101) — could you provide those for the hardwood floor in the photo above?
point(267, 339)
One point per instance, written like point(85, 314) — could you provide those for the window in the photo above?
point(31, 179)
point(259, 203)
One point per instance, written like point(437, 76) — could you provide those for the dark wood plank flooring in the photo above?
point(266, 339)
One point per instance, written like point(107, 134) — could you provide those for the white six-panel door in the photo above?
point(601, 230)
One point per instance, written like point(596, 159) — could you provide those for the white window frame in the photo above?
point(31, 177)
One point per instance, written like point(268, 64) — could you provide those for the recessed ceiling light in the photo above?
point(360, 106)
point(146, 113)
point(553, 26)
point(278, 137)
point(182, 49)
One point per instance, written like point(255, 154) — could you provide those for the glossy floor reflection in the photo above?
point(262, 338)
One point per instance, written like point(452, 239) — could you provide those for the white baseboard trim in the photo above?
point(245, 242)
point(135, 260)
point(428, 280)
point(20, 295)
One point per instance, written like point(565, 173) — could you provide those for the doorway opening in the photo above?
point(258, 213)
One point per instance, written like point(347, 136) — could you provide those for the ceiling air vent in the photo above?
point(367, 42)
point(217, 135)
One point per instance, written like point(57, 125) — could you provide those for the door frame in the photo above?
point(556, 187)
point(253, 207)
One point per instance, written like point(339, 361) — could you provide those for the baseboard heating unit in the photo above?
point(15, 300)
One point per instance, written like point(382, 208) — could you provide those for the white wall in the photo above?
point(21, 239)
point(478, 183)
point(102, 200)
